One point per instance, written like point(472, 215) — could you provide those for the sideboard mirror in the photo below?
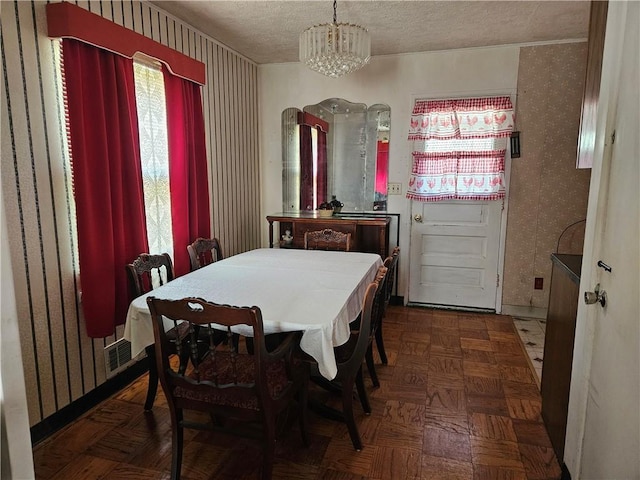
point(335, 148)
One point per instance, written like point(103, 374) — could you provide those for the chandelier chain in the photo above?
point(335, 7)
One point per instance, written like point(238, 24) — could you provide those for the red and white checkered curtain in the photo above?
point(459, 148)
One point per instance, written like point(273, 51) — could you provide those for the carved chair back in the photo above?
point(327, 239)
point(204, 251)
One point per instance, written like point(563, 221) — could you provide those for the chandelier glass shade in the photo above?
point(335, 49)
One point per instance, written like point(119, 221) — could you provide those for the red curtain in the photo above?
point(322, 167)
point(103, 133)
point(306, 169)
point(189, 181)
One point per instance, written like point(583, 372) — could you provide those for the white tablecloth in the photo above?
point(316, 292)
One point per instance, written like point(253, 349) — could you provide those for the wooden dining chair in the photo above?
point(349, 360)
point(146, 273)
point(225, 383)
point(204, 251)
point(327, 239)
point(392, 265)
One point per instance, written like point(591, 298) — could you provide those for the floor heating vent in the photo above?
point(117, 356)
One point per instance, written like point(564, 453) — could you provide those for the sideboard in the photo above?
point(368, 234)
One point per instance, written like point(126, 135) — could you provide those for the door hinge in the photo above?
point(613, 137)
point(498, 280)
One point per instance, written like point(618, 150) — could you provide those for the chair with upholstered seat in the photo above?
point(227, 384)
point(349, 359)
point(204, 251)
point(146, 273)
point(327, 239)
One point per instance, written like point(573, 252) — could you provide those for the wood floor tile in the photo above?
point(393, 462)
point(517, 374)
point(540, 463)
point(472, 322)
point(444, 365)
point(529, 391)
point(413, 361)
point(480, 369)
point(85, 466)
point(442, 443)
point(457, 401)
point(450, 422)
point(485, 404)
point(391, 434)
point(516, 358)
point(445, 400)
point(524, 409)
point(468, 343)
point(476, 333)
point(479, 356)
point(342, 457)
point(483, 386)
point(492, 426)
point(438, 468)
point(531, 433)
point(125, 471)
point(413, 347)
point(490, 472)
point(410, 376)
point(493, 452)
point(404, 413)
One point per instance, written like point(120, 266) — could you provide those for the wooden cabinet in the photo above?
point(558, 346)
point(369, 234)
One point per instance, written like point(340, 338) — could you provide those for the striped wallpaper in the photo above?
point(61, 363)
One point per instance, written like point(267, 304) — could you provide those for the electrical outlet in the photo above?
point(537, 283)
point(394, 188)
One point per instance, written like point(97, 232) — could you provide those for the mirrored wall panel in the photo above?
point(335, 149)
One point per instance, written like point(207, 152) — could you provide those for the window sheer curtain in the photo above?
point(459, 148)
point(188, 178)
point(103, 134)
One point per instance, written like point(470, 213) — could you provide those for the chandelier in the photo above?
point(335, 49)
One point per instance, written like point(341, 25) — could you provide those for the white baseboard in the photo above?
point(522, 311)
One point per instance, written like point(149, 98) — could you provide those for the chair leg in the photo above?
point(347, 408)
point(371, 367)
point(303, 406)
point(153, 377)
point(380, 345)
point(269, 448)
point(362, 393)
point(177, 437)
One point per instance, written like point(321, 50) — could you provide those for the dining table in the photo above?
point(315, 292)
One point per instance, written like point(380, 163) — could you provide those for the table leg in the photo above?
point(270, 233)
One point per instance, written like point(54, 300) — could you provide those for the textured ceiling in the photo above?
point(267, 31)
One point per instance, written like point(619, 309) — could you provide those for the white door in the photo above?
point(603, 430)
point(454, 253)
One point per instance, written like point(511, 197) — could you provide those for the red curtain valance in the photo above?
point(305, 118)
point(65, 20)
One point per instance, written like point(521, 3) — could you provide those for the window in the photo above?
point(154, 154)
point(459, 148)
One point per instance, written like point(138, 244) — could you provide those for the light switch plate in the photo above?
point(395, 188)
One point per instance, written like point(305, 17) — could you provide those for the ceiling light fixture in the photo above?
point(335, 49)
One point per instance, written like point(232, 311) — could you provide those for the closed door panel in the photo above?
point(454, 253)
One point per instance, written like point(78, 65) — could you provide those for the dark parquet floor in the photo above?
point(458, 400)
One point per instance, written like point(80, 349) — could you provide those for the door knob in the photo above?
point(596, 296)
point(418, 218)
